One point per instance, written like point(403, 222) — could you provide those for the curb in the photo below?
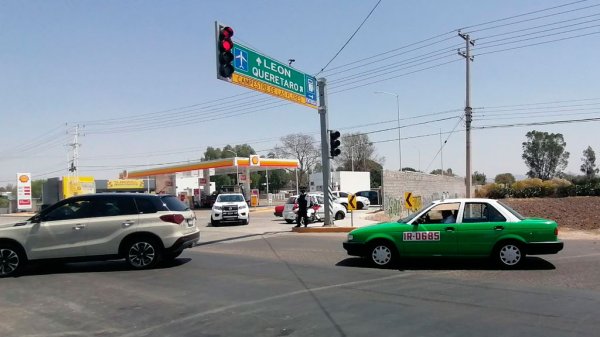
point(331, 229)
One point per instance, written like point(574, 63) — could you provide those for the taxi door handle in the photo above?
point(128, 223)
point(449, 229)
point(78, 227)
point(499, 228)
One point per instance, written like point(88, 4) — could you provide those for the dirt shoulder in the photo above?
point(578, 213)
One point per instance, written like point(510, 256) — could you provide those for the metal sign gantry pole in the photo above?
point(322, 84)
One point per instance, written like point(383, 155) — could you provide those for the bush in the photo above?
point(493, 191)
point(536, 188)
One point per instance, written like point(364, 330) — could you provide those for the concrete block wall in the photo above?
point(428, 186)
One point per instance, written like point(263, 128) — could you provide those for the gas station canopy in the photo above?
point(221, 166)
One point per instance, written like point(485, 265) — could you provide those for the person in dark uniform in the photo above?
point(302, 207)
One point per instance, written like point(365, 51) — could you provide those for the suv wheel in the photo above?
point(214, 222)
point(11, 260)
point(143, 253)
point(339, 215)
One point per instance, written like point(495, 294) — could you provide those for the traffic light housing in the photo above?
point(225, 68)
point(334, 143)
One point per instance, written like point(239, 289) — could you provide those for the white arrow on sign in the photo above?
point(259, 61)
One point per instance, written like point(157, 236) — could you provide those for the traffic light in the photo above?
point(334, 143)
point(224, 52)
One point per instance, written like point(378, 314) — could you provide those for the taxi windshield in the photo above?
point(413, 215)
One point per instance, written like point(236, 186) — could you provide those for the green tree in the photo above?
point(409, 169)
point(211, 153)
point(544, 153)
point(376, 170)
point(589, 163)
point(448, 172)
point(478, 178)
point(505, 179)
point(36, 188)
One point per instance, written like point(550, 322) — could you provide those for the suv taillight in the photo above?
point(174, 218)
point(295, 206)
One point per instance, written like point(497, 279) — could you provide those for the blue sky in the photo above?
point(69, 62)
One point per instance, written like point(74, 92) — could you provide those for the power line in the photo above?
point(449, 51)
point(565, 121)
point(535, 44)
point(521, 15)
point(530, 106)
point(535, 27)
point(542, 31)
point(453, 47)
point(394, 77)
point(350, 39)
point(446, 141)
point(532, 38)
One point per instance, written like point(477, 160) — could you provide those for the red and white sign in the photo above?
point(421, 236)
point(24, 191)
point(201, 181)
point(242, 177)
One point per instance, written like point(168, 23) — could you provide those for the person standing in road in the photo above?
point(302, 208)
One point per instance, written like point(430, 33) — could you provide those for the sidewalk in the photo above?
point(341, 226)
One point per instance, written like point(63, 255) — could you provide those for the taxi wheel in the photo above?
point(382, 254)
point(509, 254)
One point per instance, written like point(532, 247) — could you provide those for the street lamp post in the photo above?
point(237, 173)
point(398, 120)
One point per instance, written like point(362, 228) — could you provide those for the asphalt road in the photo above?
point(239, 282)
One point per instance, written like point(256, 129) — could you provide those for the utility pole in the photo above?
point(75, 154)
point(322, 83)
point(468, 111)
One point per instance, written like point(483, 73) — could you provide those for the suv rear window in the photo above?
point(147, 205)
point(291, 200)
point(173, 204)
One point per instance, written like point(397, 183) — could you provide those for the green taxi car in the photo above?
point(457, 228)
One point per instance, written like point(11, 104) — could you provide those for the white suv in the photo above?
point(230, 207)
point(339, 211)
point(142, 228)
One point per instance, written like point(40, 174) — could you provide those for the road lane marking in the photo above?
point(146, 331)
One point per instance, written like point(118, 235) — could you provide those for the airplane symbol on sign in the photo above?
point(241, 59)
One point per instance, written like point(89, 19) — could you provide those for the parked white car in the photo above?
point(141, 228)
point(339, 211)
point(361, 202)
point(230, 208)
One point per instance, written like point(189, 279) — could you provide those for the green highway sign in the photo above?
point(279, 77)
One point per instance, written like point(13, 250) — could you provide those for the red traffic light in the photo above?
point(226, 33)
point(225, 68)
point(225, 46)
